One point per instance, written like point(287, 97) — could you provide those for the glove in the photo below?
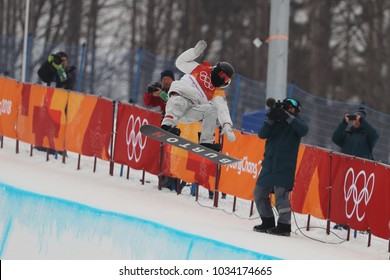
point(227, 129)
point(200, 47)
point(284, 115)
point(273, 114)
point(164, 96)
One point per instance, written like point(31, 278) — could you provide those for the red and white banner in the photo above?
point(360, 194)
point(131, 147)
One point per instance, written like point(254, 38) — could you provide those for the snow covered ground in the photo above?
point(182, 212)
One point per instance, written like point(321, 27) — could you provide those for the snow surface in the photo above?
point(128, 196)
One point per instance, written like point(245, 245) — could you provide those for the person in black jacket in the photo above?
point(283, 130)
point(355, 135)
point(56, 72)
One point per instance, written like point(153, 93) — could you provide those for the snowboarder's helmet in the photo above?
point(222, 74)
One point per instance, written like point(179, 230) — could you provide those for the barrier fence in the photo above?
point(124, 74)
point(330, 186)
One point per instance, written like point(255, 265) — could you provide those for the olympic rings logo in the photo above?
point(205, 78)
point(351, 192)
point(135, 141)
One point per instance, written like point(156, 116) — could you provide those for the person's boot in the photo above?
point(281, 230)
point(267, 223)
point(214, 146)
point(171, 129)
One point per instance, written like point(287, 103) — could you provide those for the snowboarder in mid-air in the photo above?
point(199, 96)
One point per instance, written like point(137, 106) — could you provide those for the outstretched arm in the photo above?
point(185, 62)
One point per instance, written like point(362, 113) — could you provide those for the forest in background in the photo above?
point(337, 48)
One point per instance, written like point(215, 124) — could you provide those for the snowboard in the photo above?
point(164, 136)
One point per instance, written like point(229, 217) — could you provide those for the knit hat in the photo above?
point(362, 111)
point(167, 73)
point(62, 54)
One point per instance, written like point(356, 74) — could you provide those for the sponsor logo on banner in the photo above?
point(135, 141)
point(351, 192)
point(5, 107)
point(246, 166)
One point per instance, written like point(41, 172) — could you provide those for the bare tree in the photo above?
point(73, 32)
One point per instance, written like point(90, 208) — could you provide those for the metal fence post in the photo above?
point(136, 82)
point(28, 56)
point(290, 89)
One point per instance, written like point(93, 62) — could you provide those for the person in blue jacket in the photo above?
point(283, 130)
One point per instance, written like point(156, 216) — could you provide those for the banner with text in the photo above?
point(239, 179)
point(10, 97)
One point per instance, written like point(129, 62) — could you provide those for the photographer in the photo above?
point(55, 71)
point(355, 136)
point(283, 130)
point(156, 95)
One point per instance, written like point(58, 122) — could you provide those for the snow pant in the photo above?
point(282, 201)
point(182, 109)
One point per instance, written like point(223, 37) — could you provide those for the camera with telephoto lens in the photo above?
point(153, 87)
point(351, 117)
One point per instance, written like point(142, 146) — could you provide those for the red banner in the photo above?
point(360, 195)
point(131, 147)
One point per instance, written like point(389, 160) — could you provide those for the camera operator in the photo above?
point(283, 130)
point(156, 94)
point(355, 135)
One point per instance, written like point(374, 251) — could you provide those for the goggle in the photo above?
point(293, 102)
point(225, 78)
